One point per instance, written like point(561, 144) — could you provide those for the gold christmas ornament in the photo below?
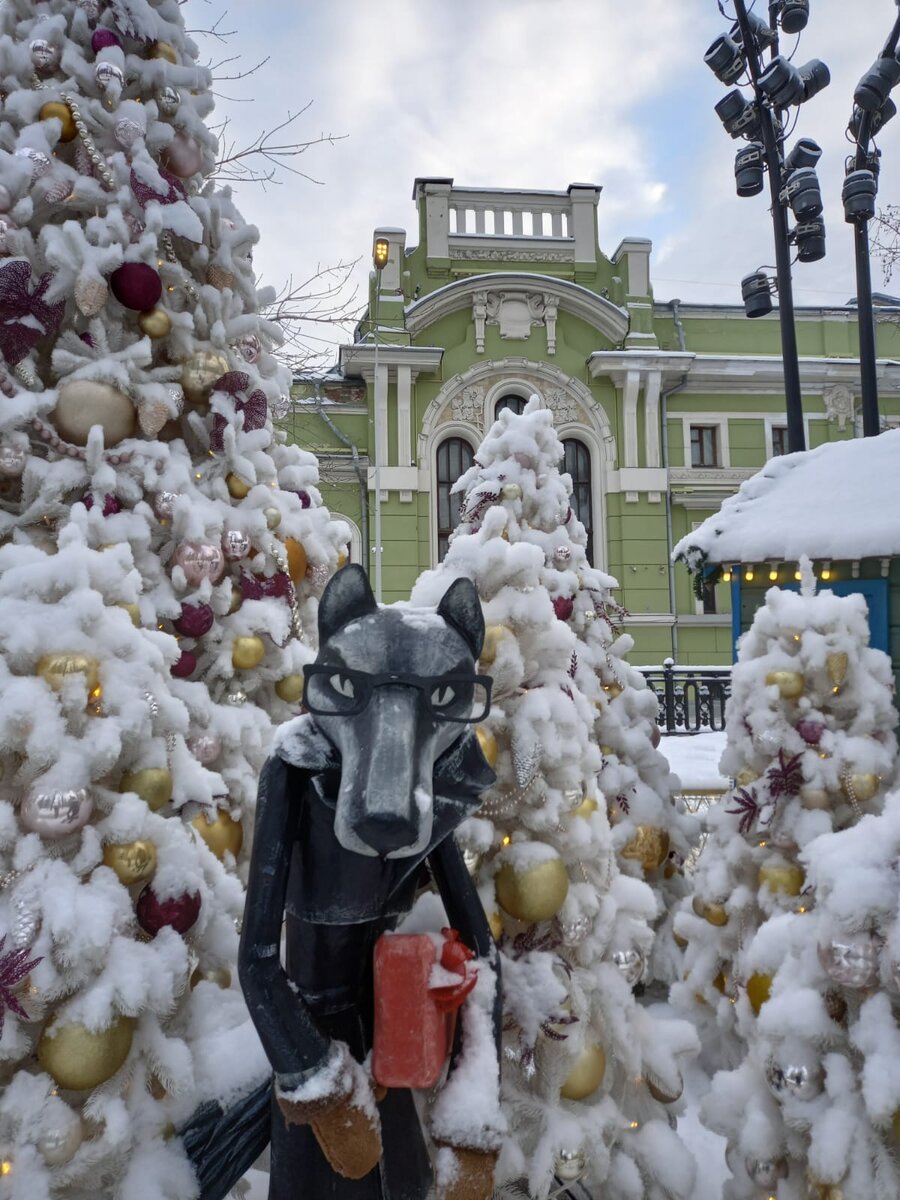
point(586, 1073)
point(155, 322)
point(62, 113)
point(200, 372)
point(247, 652)
point(534, 893)
point(660, 1092)
point(493, 635)
point(745, 777)
point(220, 976)
point(495, 923)
point(152, 784)
point(759, 989)
point(863, 786)
point(223, 834)
point(720, 983)
point(290, 689)
point(79, 1059)
point(237, 598)
point(782, 878)
point(237, 488)
point(81, 404)
point(133, 862)
point(649, 847)
point(680, 942)
point(163, 50)
point(814, 797)
point(91, 295)
point(710, 911)
point(587, 806)
point(296, 557)
point(273, 516)
point(132, 609)
point(613, 689)
point(488, 744)
point(219, 277)
point(54, 669)
point(790, 684)
point(836, 665)
point(342, 559)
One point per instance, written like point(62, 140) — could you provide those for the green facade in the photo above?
point(506, 293)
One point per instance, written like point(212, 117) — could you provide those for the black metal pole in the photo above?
point(865, 310)
point(771, 142)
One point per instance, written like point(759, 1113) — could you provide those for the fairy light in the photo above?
point(635, 1124)
point(506, 839)
point(773, 573)
point(825, 573)
point(748, 575)
point(726, 576)
point(6, 1167)
point(798, 575)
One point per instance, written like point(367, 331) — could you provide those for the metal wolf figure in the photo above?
point(362, 793)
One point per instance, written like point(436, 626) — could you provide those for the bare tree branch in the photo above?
point(885, 244)
point(326, 297)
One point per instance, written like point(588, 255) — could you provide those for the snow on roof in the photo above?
point(839, 501)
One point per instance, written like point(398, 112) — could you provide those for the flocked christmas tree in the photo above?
point(785, 926)
point(162, 554)
point(589, 1073)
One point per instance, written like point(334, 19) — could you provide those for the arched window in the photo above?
point(516, 403)
point(454, 457)
point(577, 463)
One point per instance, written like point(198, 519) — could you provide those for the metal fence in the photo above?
point(691, 699)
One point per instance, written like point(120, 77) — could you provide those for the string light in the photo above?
point(773, 573)
point(5, 1167)
point(506, 839)
point(797, 575)
point(726, 576)
point(825, 573)
point(748, 575)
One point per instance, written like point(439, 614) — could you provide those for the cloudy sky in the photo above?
point(532, 94)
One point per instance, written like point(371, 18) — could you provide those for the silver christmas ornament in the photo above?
point(280, 408)
point(128, 132)
point(26, 922)
point(794, 1073)
point(175, 392)
point(250, 347)
point(168, 100)
point(472, 859)
point(164, 505)
point(205, 747)
point(851, 959)
point(235, 544)
point(766, 1172)
point(7, 225)
point(55, 812)
point(572, 798)
point(60, 1133)
point(526, 758)
point(236, 698)
point(58, 191)
point(511, 491)
point(6, 200)
point(40, 162)
point(574, 932)
point(562, 554)
point(12, 461)
point(108, 74)
point(629, 963)
point(570, 1164)
point(135, 228)
point(44, 55)
point(90, 8)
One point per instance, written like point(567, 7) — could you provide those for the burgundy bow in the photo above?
point(25, 317)
point(144, 193)
point(260, 587)
point(254, 408)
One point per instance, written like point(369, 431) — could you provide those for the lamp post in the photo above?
point(777, 86)
point(872, 107)
point(380, 254)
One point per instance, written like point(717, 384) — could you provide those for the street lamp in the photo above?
point(872, 108)
point(381, 251)
point(777, 85)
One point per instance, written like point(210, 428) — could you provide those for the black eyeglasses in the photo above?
point(332, 691)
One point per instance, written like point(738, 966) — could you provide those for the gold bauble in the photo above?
point(495, 923)
point(237, 598)
point(586, 1073)
point(661, 1093)
point(155, 322)
point(613, 689)
point(156, 1088)
point(78, 1059)
point(200, 372)
point(606, 751)
point(895, 1126)
point(720, 983)
point(163, 50)
point(488, 744)
point(493, 635)
point(759, 989)
point(836, 665)
point(290, 689)
point(220, 976)
point(152, 784)
point(745, 777)
point(63, 114)
point(782, 877)
point(864, 786)
point(649, 846)
point(247, 652)
point(710, 911)
point(237, 488)
point(814, 797)
point(221, 835)
point(81, 404)
point(133, 610)
point(534, 893)
point(587, 806)
point(680, 942)
point(54, 668)
point(342, 559)
point(273, 516)
point(296, 557)
point(790, 684)
point(133, 862)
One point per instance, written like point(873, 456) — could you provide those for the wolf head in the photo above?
point(389, 748)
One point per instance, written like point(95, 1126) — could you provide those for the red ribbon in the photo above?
point(254, 408)
point(456, 958)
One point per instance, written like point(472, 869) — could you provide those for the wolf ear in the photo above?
point(347, 597)
point(461, 608)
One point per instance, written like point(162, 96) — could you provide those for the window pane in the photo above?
point(577, 463)
point(779, 439)
point(704, 445)
point(709, 596)
point(454, 457)
point(516, 403)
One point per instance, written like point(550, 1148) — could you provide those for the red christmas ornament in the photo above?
point(186, 665)
point(563, 606)
point(154, 914)
point(811, 730)
point(102, 39)
point(195, 620)
point(137, 285)
point(304, 499)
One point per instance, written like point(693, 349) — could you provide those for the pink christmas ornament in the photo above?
point(137, 285)
point(55, 812)
point(205, 747)
point(563, 606)
point(195, 620)
point(40, 162)
point(180, 912)
point(186, 665)
point(183, 156)
point(811, 730)
point(199, 561)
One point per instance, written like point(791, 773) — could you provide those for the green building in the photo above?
point(664, 409)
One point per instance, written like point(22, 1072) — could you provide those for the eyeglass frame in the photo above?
point(424, 684)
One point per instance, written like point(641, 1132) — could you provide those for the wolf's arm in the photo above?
point(293, 1044)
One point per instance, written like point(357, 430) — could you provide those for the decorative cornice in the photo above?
point(730, 477)
point(360, 358)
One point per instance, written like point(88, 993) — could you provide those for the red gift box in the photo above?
point(414, 1016)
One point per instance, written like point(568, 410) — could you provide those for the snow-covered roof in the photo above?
point(839, 501)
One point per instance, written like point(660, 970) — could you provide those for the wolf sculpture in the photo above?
point(361, 796)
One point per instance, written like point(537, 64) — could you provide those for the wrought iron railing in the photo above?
point(691, 699)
